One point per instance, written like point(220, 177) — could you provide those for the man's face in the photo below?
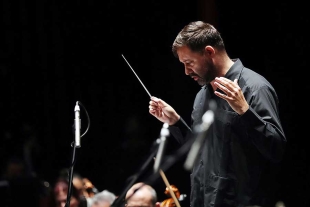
point(141, 198)
point(140, 201)
point(101, 204)
point(60, 193)
point(197, 65)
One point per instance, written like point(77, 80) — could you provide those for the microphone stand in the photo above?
point(75, 144)
point(190, 144)
point(168, 162)
point(121, 198)
point(71, 176)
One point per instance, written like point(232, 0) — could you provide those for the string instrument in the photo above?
point(170, 202)
point(171, 191)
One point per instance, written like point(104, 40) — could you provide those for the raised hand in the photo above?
point(232, 94)
point(163, 111)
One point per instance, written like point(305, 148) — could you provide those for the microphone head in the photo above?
point(164, 132)
point(212, 105)
point(208, 117)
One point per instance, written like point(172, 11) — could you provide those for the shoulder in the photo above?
point(253, 80)
point(256, 86)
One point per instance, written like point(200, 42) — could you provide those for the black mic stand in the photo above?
point(71, 174)
point(168, 162)
point(75, 144)
point(121, 199)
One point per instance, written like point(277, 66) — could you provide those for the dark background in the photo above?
point(56, 53)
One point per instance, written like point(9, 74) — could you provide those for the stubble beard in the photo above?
point(209, 74)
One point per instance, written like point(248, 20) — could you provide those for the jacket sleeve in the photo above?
point(180, 131)
point(263, 124)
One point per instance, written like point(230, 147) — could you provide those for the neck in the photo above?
point(223, 64)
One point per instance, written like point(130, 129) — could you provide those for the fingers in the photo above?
point(154, 98)
point(225, 82)
point(222, 87)
point(221, 95)
point(153, 104)
point(230, 85)
point(154, 107)
point(230, 88)
point(159, 101)
point(221, 84)
point(153, 110)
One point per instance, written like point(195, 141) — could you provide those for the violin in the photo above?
point(172, 191)
point(170, 202)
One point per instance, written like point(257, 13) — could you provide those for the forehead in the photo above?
point(61, 184)
point(101, 204)
point(140, 198)
point(139, 203)
point(185, 54)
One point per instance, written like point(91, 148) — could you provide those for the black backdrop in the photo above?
point(56, 53)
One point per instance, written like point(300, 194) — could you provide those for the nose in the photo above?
point(187, 70)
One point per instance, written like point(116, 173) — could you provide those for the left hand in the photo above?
point(232, 94)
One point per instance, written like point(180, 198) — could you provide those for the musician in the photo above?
point(86, 188)
point(240, 154)
point(59, 194)
point(103, 199)
point(141, 194)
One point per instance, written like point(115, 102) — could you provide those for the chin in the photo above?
point(201, 82)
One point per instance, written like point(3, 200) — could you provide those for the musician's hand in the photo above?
point(232, 94)
point(163, 111)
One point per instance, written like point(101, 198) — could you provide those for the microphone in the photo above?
point(164, 132)
point(77, 124)
point(201, 130)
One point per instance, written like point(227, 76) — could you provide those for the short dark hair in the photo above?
point(197, 35)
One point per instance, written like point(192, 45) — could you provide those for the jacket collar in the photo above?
point(235, 71)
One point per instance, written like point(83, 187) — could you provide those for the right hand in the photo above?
point(163, 111)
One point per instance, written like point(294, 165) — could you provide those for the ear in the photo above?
point(209, 50)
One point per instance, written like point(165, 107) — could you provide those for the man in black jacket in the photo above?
point(245, 141)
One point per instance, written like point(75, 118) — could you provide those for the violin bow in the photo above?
point(169, 187)
point(162, 174)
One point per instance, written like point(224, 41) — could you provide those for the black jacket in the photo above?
point(239, 154)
